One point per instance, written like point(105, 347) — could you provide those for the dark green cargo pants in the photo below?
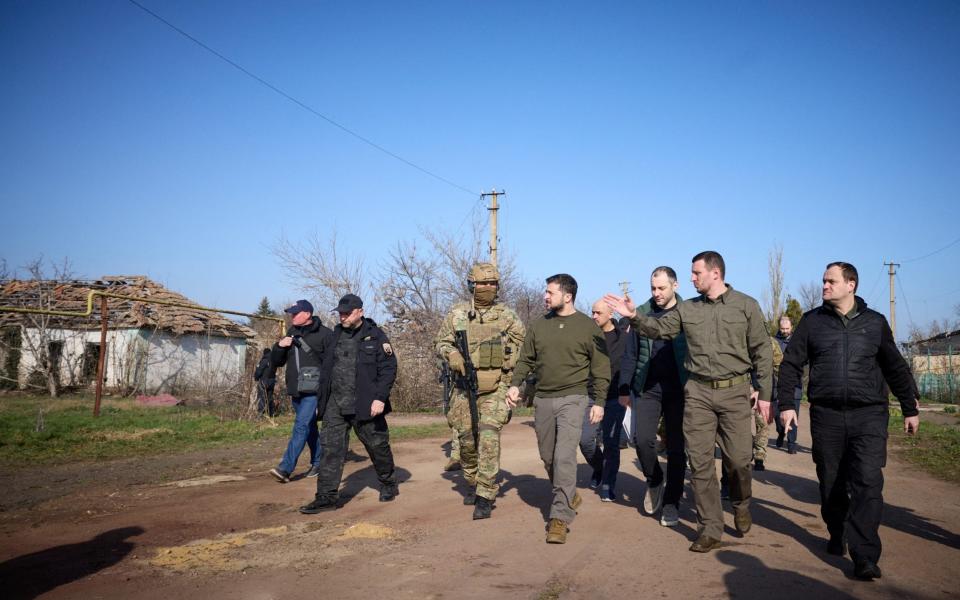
point(723, 417)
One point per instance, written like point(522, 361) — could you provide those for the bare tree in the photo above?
point(811, 295)
point(409, 285)
point(773, 295)
point(41, 337)
point(414, 286)
point(320, 267)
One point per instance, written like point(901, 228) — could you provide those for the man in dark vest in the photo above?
point(359, 370)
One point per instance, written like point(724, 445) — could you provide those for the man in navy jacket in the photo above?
point(851, 353)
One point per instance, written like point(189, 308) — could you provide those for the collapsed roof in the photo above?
point(71, 296)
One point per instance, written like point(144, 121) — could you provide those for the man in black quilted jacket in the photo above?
point(851, 353)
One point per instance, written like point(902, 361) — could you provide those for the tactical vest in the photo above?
point(485, 333)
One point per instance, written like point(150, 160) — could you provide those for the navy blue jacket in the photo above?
point(848, 364)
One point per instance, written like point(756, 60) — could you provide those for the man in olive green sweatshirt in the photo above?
point(566, 350)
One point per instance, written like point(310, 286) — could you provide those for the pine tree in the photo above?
point(794, 310)
point(264, 310)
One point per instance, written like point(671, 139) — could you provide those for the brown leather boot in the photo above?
point(576, 501)
point(557, 532)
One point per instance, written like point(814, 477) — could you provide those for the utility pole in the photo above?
point(493, 208)
point(893, 300)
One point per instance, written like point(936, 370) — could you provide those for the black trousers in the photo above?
point(668, 401)
point(590, 440)
point(264, 399)
point(850, 451)
point(334, 437)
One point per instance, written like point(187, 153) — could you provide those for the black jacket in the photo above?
point(316, 336)
point(376, 368)
point(266, 372)
point(848, 365)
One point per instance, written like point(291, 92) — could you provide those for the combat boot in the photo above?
point(319, 504)
point(470, 498)
point(452, 465)
point(557, 532)
point(482, 509)
point(388, 492)
point(576, 502)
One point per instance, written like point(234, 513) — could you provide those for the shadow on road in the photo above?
point(750, 578)
point(800, 489)
point(770, 515)
point(534, 491)
point(31, 575)
point(908, 521)
point(895, 517)
point(355, 482)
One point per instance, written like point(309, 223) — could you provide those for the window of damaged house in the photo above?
point(91, 354)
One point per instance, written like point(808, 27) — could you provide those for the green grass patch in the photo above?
point(935, 448)
point(71, 433)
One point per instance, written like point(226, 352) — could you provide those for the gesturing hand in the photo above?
point(623, 305)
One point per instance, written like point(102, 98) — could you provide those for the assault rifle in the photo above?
point(447, 383)
point(468, 383)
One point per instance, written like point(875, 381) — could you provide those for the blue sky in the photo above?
point(627, 135)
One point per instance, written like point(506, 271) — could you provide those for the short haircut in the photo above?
point(849, 272)
point(670, 273)
point(568, 285)
point(712, 260)
point(787, 317)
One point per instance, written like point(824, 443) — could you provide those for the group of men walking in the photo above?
point(344, 378)
point(703, 366)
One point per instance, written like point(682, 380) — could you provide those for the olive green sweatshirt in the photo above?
point(566, 353)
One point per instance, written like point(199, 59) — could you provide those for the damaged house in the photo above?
point(150, 348)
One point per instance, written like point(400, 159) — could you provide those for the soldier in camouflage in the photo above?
point(495, 334)
point(760, 437)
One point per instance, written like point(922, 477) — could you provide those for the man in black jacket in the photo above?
point(266, 377)
point(851, 352)
point(359, 370)
point(300, 351)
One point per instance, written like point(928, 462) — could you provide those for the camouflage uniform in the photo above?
point(760, 438)
point(495, 335)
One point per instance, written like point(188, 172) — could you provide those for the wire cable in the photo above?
point(950, 245)
point(299, 103)
point(905, 302)
point(873, 288)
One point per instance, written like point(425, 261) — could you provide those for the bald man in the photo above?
point(611, 427)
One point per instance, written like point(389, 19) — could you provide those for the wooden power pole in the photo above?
point(493, 208)
point(893, 300)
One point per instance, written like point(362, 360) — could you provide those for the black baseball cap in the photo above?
point(299, 307)
point(348, 303)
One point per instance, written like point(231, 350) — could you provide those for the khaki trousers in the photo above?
point(559, 422)
point(721, 417)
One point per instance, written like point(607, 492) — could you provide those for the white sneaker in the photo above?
point(653, 499)
point(670, 516)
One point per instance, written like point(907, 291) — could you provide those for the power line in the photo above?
point(951, 244)
point(299, 103)
point(873, 288)
point(905, 303)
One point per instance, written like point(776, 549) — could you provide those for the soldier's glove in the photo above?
point(456, 363)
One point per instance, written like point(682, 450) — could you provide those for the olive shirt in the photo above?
point(726, 337)
point(566, 353)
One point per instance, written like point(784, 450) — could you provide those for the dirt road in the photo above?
point(237, 534)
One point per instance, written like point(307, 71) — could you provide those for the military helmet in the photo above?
point(483, 272)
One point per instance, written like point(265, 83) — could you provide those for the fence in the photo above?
point(937, 376)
